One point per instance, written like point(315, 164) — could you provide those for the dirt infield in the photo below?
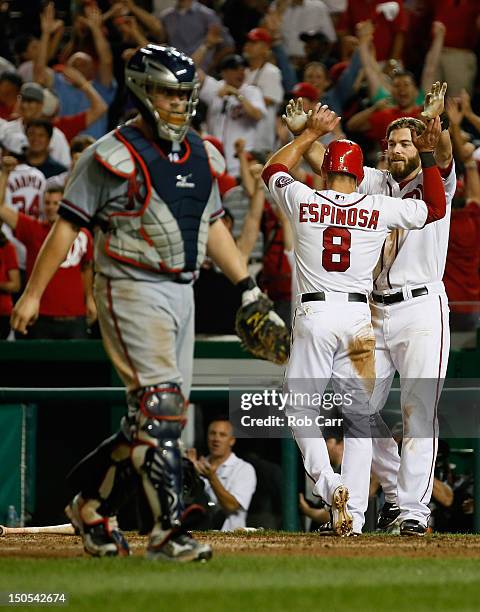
point(258, 543)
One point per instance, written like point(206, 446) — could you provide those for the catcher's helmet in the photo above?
point(344, 156)
point(157, 67)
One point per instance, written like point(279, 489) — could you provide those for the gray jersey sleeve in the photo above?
point(89, 187)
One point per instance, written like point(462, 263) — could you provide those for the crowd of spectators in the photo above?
point(62, 81)
point(62, 88)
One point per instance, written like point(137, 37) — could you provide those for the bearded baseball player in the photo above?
point(410, 317)
point(150, 189)
point(338, 237)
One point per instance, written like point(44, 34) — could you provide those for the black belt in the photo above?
point(319, 296)
point(394, 298)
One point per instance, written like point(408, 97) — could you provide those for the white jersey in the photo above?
point(24, 193)
point(410, 258)
point(227, 121)
point(338, 237)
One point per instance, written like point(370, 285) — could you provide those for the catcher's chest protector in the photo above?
point(166, 228)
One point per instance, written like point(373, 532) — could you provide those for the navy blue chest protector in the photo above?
point(184, 186)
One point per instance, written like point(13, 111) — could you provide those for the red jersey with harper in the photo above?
point(64, 295)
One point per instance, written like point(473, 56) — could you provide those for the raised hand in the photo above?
point(48, 22)
point(434, 101)
point(295, 117)
point(455, 112)
point(322, 120)
point(428, 140)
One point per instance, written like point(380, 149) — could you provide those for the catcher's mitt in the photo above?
point(261, 330)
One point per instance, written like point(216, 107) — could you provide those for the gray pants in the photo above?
point(147, 330)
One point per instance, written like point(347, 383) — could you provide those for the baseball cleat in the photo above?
point(101, 537)
point(388, 516)
point(179, 548)
point(325, 529)
point(412, 527)
point(342, 521)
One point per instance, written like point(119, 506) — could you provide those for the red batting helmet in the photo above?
point(344, 156)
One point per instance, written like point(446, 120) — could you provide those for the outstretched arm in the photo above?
point(433, 56)
point(251, 224)
point(433, 107)
point(320, 122)
point(295, 118)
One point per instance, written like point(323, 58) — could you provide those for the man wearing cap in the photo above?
point(234, 108)
point(301, 16)
point(267, 77)
point(31, 107)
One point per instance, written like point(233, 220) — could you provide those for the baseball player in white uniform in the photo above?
point(338, 236)
point(410, 318)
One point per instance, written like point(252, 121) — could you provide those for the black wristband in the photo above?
point(245, 284)
point(445, 121)
point(427, 159)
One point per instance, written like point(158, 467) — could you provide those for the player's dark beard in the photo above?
point(409, 167)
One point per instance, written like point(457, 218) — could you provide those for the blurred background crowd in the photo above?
point(62, 88)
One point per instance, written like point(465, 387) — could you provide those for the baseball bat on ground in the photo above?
point(66, 529)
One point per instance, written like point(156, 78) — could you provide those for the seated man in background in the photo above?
point(229, 481)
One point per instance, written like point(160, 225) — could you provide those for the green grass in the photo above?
point(255, 583)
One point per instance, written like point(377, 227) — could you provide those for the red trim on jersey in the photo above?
point(437, 398)
point(434, 194)
point(138, 213)
point(81, 213)
point(445, 172)
point(182, 160)
point(119, 334)
point(341, 205)
point(269, 171)
point(112, 169)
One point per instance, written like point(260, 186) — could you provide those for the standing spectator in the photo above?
point(229, 480)
point(73, 100)
point(39, 133)
point(458, 62)
point(389, 20)
point(10, 85)
point(462, 269)
point(375, 119)
point(301, 16)
point(31, 107)
point(68, 299)
point(24, 190)
point(267, 77)
point(71, 125)
point(380, 80)
point(234, 108)
point(9, 282)
point(187, 25)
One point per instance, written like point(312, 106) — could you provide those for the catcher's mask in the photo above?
point(344, 156)
point(154, 69)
